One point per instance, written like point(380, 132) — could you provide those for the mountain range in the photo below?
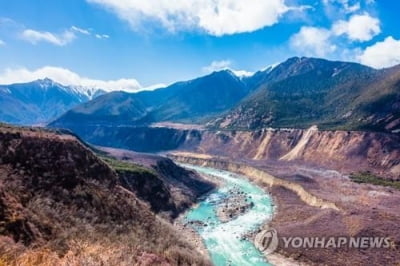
point(66, 202)
point(188, 101)
point(40, 101)
point(297, 93)
point(302, 92)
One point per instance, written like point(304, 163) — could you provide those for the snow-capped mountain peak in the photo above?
point(47, 83)
point(270, 67)
point(83, 92)
point(243, 73)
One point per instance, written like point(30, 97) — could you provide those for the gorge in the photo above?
point(309, 147)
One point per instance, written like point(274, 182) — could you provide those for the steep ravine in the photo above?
point(168, 188)
point(256, 175)
point(60, 204)
point(345, 151)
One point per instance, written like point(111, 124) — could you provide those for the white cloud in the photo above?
point(216, 17)
point(217, 66)
point(358, 27)
point(102, 36)
point(80, 30)
point(351, 8)
point(35, 37)
point(382, 54)
point(325, 42)
point(312, 41)
point(347, 6)
point(67, 77)
point(65, 38)
point(2, 43)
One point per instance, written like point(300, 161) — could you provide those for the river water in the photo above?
point(223, 240)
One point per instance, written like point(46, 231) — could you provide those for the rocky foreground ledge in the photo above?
point(317, 202)
point(61, 204)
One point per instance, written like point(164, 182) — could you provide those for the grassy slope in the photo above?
point(369, 178)
point(332, 95)
point(124, 166)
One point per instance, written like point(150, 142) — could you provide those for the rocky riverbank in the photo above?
point(191, 236)
point(226, 238)
point(237, 203)
point(317, 202)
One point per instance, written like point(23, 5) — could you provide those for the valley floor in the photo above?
point(310, 201)
point(331, 205)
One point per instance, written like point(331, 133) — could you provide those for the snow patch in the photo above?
point(5, 90)
point(242, 73)
point(270, 67)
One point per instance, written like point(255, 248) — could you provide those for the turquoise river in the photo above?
point(224, 240)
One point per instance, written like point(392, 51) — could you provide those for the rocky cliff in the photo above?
point(256, 175)
point(346, 151)
point(62, 205)
point(168, 188)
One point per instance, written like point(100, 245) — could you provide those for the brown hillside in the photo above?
point(61, 205)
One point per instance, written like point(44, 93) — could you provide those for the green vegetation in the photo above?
point(332, 95)
point(369, 178)
point(299, 93)
point(192, 101)
point(124, 166)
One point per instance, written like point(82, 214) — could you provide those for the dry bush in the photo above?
point(61, 205)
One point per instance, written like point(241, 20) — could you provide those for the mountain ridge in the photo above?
point(302, 92)
point(40, 101)
point(297, 93)
point(181, 101)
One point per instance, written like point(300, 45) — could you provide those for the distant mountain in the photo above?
point(194, 100)
point(302, 92)
point(297, 93)
point(40, 101)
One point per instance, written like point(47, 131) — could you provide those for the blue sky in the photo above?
point(126, 42)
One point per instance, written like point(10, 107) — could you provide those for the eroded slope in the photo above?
point(61, 205)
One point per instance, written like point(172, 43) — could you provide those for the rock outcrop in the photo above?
point(168, 188)
point(345, 151)
point(62, 205)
